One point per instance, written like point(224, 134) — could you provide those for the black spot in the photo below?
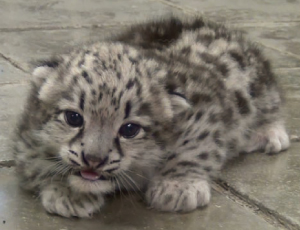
point(171, 157)
point(75, 80)
point(253, 90)
point(242, 103)
point(203, 135)
point(186, 50)
point(231, 145)
point(213, 118)
point(227, 116)
point(130, 84)
point(127, 109)
point(217, 138)
point(207, 168)
point(185, 142)
point(239, 58)
point(81, 102)
point(203, 156)
point(145, 109)
point(132, 60)
point(87, 77)
point(104, 66)
point(113, 101)
point(113, 91)
point(208, 58)
point(167, 199)
point(118, 75)
point(198, 98)
point(168, 172)
point(218, 156)
point(188, 164)
point(100, 97)
point(222, 68)
point(205, 38)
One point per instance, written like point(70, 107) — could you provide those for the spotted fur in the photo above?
point(200, 92)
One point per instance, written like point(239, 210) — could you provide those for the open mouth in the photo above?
point(91, 175)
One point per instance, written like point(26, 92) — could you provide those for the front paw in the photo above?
point(61, 200)
point(182, 195)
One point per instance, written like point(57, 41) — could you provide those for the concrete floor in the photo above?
point(253, 192)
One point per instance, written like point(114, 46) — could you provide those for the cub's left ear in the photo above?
point(179, 102)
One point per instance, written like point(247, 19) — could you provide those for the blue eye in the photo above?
point(73, 119)
point(129, 130)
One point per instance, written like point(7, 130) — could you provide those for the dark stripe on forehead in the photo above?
point(81, 102)
point(127, 109)
point(118, 146)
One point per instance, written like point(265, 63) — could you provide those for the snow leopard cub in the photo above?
point(159, 108)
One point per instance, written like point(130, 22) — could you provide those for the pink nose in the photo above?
point(93, 161)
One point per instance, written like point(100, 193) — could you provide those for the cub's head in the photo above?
point(104, 113)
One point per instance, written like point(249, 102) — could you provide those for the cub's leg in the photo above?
point(60, 199)
point(270, 138)
point(183, 184)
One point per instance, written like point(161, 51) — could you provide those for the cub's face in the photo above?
point(105, 114)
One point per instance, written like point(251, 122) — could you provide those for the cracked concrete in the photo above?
point(255, 191)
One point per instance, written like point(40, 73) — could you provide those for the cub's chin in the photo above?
point(83, 184)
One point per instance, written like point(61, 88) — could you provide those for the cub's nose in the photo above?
point(93, 161)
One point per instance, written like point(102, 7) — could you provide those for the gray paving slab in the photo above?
point(11, 102)
point(280, 60)
point(273, 181)
point(241, 11)
point(284, 37)
point(270, 181)
point(65, 13)
point(23, 211)
point(27, 46)
point(290, 81)
point(9, 74)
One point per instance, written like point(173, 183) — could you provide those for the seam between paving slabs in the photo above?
point(13, 63)
point(65, 27)
point(271, 216)
point(281, 51)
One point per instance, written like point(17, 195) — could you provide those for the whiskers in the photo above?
point(56, 168)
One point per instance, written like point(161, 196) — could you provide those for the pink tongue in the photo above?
point(89, 175)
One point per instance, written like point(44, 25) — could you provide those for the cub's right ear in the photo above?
point(44, 67)
point(44, 78)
